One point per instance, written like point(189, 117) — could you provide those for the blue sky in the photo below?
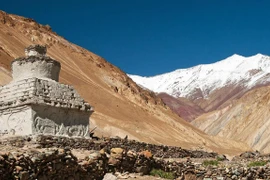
point(149, 37)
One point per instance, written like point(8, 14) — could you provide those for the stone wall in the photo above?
point(62, 164)
point(48, 141)
point(111, 156)
point(160, 151)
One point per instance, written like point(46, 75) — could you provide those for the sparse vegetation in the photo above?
point(219, 159)
point(210, 163)
point(257, 163)
point(162, 174)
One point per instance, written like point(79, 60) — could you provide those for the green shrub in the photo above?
point(257, 163)
point(162, 174)
point(210, 163)
point(221, 158)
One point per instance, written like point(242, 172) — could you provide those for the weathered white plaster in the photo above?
point(35, 64)
point(34, 102)
point(38, 119)
point(40, 91)
point(16, 121)
point(59, 121)
point(39, 68)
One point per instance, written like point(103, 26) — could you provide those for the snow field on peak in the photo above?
point(234, 69)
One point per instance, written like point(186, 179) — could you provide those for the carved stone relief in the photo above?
point(45, 126)
point(60, 121)
point(16, 121)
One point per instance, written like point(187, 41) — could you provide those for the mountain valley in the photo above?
point(122, 108)
point(226, 102)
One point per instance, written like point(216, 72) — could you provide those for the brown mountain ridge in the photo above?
point(246, 120)
point(121, 106)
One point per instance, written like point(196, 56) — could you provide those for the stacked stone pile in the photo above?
point(62, 164)
point(55, 163)
point(50, 164)
point(232, 172)
point(51, 157)
point(48, 141)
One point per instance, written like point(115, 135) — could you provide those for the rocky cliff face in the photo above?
point(246, 120)
point(121, 107)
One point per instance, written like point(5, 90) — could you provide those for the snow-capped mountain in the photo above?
point(244, 71)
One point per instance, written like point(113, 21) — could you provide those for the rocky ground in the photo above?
point(55, 157)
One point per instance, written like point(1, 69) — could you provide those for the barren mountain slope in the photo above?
point(247, 120)
point(5, 75)
point(121, 107)
point(212, 86)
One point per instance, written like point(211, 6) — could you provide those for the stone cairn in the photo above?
point(34, 102)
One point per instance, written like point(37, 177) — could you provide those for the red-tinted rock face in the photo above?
point(182, 106)
point(190, 109)
point(223, 97)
